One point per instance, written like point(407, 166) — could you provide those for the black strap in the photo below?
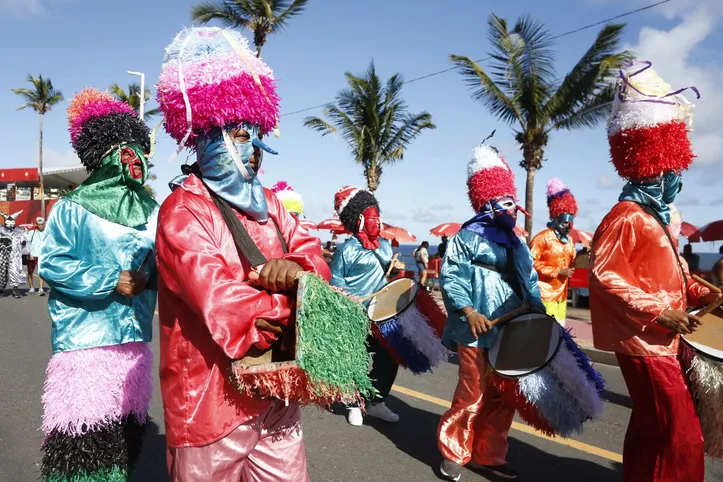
point(650, 211)
point(241, 237)
point(486, 266)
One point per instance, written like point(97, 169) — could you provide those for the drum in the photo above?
point(408, 322)
point(551, 382)
point(702, 357)
point(322, 356)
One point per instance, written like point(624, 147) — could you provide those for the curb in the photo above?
point(599, 356)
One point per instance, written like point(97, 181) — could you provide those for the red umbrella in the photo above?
point(688, 230)
point(520, 232)
point(582, 237)
point(446, 229)
point(308, 225)
point(710, 232)
point(400, 234)
point(333, 224)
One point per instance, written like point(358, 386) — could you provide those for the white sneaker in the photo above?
point(31, 291)
point(354, 416)
point(382, 412)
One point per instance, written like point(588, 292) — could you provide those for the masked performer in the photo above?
point(291, 200)
point(639, 289)
point(359, 267)
point(553, 251)
point(96, 257)
point(487, 273)
point(216, 303)
point(12, 242)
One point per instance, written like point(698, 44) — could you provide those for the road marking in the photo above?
point(591, 449)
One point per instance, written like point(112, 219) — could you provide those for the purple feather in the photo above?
point(584, 362)
point(410, 355)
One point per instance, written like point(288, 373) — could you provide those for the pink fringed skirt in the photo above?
point(95, 411)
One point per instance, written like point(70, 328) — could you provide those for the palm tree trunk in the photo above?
point(40, 169)
point(258, 51)
point(529, 195)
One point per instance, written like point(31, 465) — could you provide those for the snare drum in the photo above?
point(544, 375)
point(409, 323)
point(702, 357)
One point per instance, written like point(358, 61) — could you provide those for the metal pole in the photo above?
point(143, 90)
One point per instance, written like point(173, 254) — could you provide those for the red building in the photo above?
point(19, 190)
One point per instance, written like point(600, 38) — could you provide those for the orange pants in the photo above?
point(476, 426)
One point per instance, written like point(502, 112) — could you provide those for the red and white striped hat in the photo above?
point(488, 177)
point(648, 130)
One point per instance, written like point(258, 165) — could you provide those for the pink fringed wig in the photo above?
point(211, 78)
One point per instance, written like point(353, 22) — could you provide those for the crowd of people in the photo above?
point(222, 255)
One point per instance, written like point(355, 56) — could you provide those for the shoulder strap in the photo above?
point(511, 276)
point(381, 261)
point(650, 211)
point(241, 237)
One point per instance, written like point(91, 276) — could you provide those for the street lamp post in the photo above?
point(143, 89)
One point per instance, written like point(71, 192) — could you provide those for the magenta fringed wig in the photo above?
point(648, 131)
point(488, 177)
point(211, 78)
point(559, 199)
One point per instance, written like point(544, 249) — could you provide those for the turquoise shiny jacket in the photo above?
point(357, 270)
point(82, 257)
point(466, 283)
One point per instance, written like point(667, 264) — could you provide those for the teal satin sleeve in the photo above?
point(357, 270)
point(467, 280)
point(63, 266)
point(81, 260)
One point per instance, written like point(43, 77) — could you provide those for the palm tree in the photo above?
point(262, 17)
point(41, 98)
point(133, 98)
point(521, 88)
point(373, 120)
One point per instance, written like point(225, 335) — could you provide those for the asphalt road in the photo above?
point(336, 451)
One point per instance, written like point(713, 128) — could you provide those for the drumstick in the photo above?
point(360, 300)
point(710, 307)
point(706, 283)
point(391, 264)
point(516, 312)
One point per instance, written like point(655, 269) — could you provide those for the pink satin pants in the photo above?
point(269, 448)
point(476, 426)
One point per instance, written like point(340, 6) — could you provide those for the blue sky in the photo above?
point(93, 43)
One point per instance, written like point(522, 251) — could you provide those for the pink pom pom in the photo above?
point(281, 186)
point(554, 186)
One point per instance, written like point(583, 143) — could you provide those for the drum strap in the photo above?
point(381, 261)
point(241, 237)
point(650, 211)
point(511, 276)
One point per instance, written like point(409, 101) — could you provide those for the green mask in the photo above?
point(116, 191)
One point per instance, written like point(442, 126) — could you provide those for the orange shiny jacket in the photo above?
point(550, 255)
point(635, 275)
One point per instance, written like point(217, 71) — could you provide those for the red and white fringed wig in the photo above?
point(559, 199)
point(648, 130)
point(488, 177)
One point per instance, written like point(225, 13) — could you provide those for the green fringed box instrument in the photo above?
point(320, 359)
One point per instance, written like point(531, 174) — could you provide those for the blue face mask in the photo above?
point(224, 164)
point(672, 185)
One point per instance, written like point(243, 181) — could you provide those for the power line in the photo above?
point(440, 72)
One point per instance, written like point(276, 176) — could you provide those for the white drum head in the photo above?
point(525, 345)
point(397, 297)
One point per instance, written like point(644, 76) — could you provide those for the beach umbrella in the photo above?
point(710, 232)
point(308, 225)
point(579, 236)
point(400, 234)
point(688, 230)
point(446, 229)
point(521, 233)
point(332, 224)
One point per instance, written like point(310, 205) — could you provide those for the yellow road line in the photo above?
point(590, 449)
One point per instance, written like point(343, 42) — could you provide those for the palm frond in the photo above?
point(283, 13)
point(486, 91)
point(595, 71)
point(594, 110)
point(227, 13)
point(319, 125)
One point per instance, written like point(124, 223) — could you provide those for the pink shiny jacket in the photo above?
point(207, 309)
point(635, 275)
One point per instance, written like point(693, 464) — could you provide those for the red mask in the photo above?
point(368, 233)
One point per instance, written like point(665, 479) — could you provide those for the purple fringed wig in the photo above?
point(211, 78)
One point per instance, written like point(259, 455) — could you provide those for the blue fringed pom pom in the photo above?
point(413, 359)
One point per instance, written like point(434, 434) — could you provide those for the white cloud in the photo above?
point(53, 159)
point(23, 8)
point(671, 52)
point(606, 182)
